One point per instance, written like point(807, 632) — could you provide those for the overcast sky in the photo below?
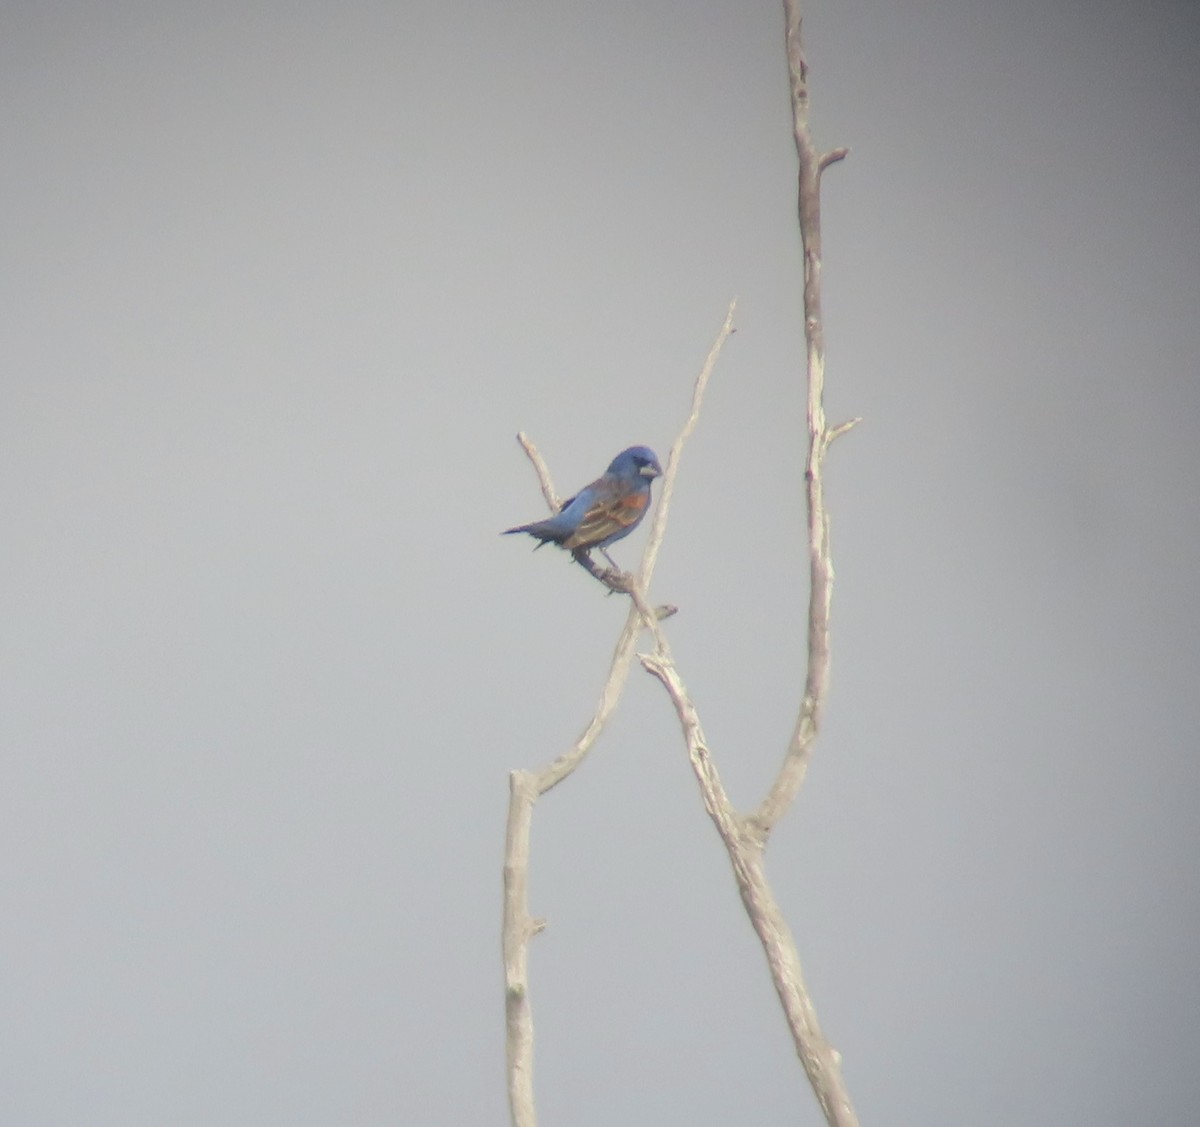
point(281, 282)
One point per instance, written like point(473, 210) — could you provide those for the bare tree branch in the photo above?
point(745, 844)
point(525, 786)
point(542, 471)
point(795, 764)
point(658, 526)
point(831, 157)
point(745, 838)
point(839, 430)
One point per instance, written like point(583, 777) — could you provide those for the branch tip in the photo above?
point(840, 429)
point(541, 469)
point(832, 157)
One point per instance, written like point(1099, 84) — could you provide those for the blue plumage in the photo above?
point(603, 512)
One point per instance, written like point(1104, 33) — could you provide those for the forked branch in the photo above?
point(526, 786)
point(745, 838)
point(820, 563)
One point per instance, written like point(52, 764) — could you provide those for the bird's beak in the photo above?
point(650, 472)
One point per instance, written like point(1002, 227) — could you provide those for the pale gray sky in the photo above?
point(282, 281)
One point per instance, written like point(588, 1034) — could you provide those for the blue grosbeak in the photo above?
point(601, 513)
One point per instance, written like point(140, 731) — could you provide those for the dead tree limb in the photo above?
point(527, 786)
point(745, 837)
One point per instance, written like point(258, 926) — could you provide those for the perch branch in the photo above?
point(526, 786)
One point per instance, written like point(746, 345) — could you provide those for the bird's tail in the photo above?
point(534, 530)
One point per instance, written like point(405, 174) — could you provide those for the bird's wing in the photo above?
point(563, 524)
point(615, 508)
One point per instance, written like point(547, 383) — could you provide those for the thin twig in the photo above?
point(839, 430)
point(658, 524)
point(831, 157)
point(542, 471)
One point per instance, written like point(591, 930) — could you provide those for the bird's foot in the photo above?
point(612, 577)
point(616, 580)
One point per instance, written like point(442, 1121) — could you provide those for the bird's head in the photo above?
point(637, 461)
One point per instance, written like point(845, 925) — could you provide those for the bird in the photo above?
point(603, 512)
